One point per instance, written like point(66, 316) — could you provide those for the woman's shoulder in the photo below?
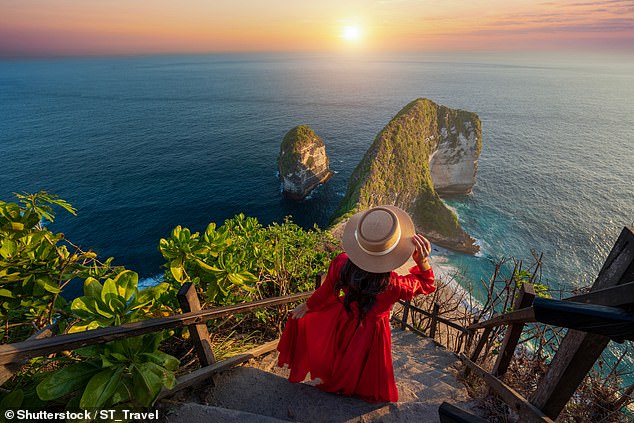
point(337, 263)
point(340, 260)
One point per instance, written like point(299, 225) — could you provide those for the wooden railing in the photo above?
point(610, 303)
point(12, 355)
point(435, 319)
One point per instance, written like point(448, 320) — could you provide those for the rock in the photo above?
point(396, 169)
point(454, 164)
point(302, 163)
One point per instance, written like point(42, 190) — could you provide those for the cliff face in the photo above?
point(454, 164)
point(396, 169)
point(302, 162)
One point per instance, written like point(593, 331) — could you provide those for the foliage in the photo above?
point(36, 264)
point(243, 260)
point(115, 302)
point(130, 371)
point(520, 277)
point(238, 261)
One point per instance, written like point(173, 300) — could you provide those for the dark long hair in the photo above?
point(363, 287)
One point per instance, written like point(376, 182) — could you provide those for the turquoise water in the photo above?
point(142, 144)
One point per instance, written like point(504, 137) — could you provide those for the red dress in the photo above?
point(349, 358)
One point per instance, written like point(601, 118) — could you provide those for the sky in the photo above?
point(104, 27)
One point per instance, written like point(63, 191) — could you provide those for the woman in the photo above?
point(341, 335)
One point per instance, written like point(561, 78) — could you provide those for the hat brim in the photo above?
point(388, 262)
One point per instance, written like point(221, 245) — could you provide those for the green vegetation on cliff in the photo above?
point(395, 169)
point(238, 261)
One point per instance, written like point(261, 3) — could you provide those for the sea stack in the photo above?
point(425, 150)
point(302, 163)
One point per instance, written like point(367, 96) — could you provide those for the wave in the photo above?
point(151, 281)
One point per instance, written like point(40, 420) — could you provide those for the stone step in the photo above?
point(424, 372)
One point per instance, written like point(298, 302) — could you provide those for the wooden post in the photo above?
point(467, 346)
point(513, 332)
point(579, 350)
point(478, 348)
point(434, 320)
point(405, 314)
point(188, 299)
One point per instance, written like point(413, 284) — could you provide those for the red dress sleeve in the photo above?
point(416, 282)
point(325, 293)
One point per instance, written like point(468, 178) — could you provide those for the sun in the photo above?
point(351, 33)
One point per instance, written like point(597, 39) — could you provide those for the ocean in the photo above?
point(142, 144)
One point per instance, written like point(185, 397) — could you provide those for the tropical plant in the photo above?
point(130, 371)
point(36, 264)
point(208, 262)
point(244, 260)
point(115, 302)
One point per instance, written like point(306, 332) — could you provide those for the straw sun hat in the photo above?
point(379, 240)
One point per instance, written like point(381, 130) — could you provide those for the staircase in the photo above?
point(260, 392)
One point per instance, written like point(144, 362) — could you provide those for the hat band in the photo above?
point(379, 253)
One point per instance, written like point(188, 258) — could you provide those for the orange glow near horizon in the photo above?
point(67, 27)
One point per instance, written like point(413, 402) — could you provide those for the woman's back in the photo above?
point(349, 356)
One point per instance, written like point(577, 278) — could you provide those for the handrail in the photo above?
point(456, 326)
point(524, 315)
point(33, 348)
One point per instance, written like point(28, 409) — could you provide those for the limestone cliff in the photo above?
point(396, 169)
point(302, 162)
point(454, 164)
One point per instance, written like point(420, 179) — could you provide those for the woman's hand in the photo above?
point(422, 251)
point(299, 311)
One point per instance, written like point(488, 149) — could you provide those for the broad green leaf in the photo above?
point(148, 295)
point(177, 270)
point(6, 293)
point(163, 359)
point(84, 327)
point(116, 304)
point(240, 280)
point(8, 248)
point(146, 384)
point(66, 380)
point(204, 266)
point(13, 400)
point(123, 393)
point(92, 288)
point(103, 310)
point(100, 388)
point(126, 283)
point(46, 284)
point(60, 302)
point(166, 376)
point(85, 307)
point(109, 290)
